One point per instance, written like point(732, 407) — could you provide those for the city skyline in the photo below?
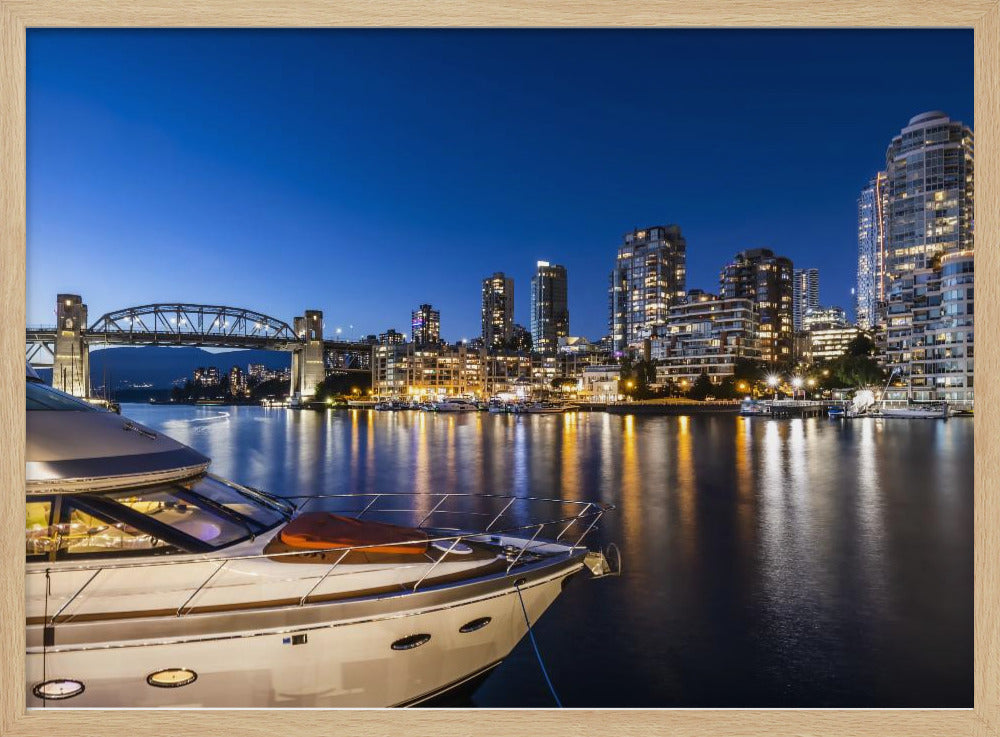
point(127, 192)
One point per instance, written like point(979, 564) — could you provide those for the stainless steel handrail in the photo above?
point(592, 512)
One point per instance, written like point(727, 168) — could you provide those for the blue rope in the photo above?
point(534, 644)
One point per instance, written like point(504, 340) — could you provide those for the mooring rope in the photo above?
point(534, 644)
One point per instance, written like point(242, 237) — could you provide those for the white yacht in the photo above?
point(455, 404)
point(153, 583)
point(927, 411)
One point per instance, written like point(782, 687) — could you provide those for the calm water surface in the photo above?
point(766, 562)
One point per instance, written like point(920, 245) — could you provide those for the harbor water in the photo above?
point(766, 563)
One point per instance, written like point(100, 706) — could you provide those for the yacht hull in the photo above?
point(337, 654)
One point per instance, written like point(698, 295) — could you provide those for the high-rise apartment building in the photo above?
point(929, 333)
point(929, 257)
point(805, 295)
point(929, 176)
point(425, 326)
point(498, 310)
point(549, 307)
point(766, 279)
point(870, 292)
point(649, 276)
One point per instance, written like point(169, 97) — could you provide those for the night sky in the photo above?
point(363, 172)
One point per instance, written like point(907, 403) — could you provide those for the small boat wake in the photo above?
point(197, 421)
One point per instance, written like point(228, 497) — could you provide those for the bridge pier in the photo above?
point(308, 368)
point(71, 365)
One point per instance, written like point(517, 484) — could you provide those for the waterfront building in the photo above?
point(549, 307)
point(929, 181)
point(649, 275)
point(871, 286)
point(425, 372)
point(207, 376)
point(929, 331)
point(828, 334)
point(599, 383)
point(425, 326)
point(929, 261)
point(706, 334)
point(505, 371)
point(256, 372)
point(391, 337)
point(498, 311)
point(766, 279)
point(805, 294)
point(238, 384)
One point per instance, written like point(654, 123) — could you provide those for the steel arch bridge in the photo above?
point(191, 324)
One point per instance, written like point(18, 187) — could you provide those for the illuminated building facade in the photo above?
point(828, 333)
point(423, 372)
point(391, 337)
point(805, 294)
point(766, 280)
point(870, 291)
point(498, 311)
point(209, 376)
point(929, 335)
point(706, 334)
point(649, 275)
point(425, 326)
point(549, 307)
point(929, 178)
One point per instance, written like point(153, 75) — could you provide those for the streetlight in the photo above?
point(796, 385)
point(772, 381)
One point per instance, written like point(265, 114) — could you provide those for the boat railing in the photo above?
point(569, 530)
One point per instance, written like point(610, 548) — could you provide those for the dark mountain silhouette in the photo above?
point(162, 366)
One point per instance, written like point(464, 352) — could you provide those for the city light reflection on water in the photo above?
point(767, 562)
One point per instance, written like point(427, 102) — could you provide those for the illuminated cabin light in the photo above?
point(58, 688)
point(171, 678)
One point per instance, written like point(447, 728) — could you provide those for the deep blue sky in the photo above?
point(365, 172)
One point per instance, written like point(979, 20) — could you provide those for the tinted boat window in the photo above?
point(38, 532)
point(42, 396)
point(83, 533)
point(230, 497)
point(185, 512)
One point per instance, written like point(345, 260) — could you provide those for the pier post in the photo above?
point(71, 365)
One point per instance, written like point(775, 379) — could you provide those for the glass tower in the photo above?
point(871, 253)
point(805, 295)
point(929, 174)
point(648, 278)
point(549, 308)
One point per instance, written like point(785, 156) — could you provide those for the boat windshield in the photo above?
point(43, 397)
point(194, 515)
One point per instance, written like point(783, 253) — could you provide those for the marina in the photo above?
point(752, 548)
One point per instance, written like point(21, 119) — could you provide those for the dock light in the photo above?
point(797, 382)
point(772, 381)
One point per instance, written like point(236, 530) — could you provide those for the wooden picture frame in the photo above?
point(17, 15)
